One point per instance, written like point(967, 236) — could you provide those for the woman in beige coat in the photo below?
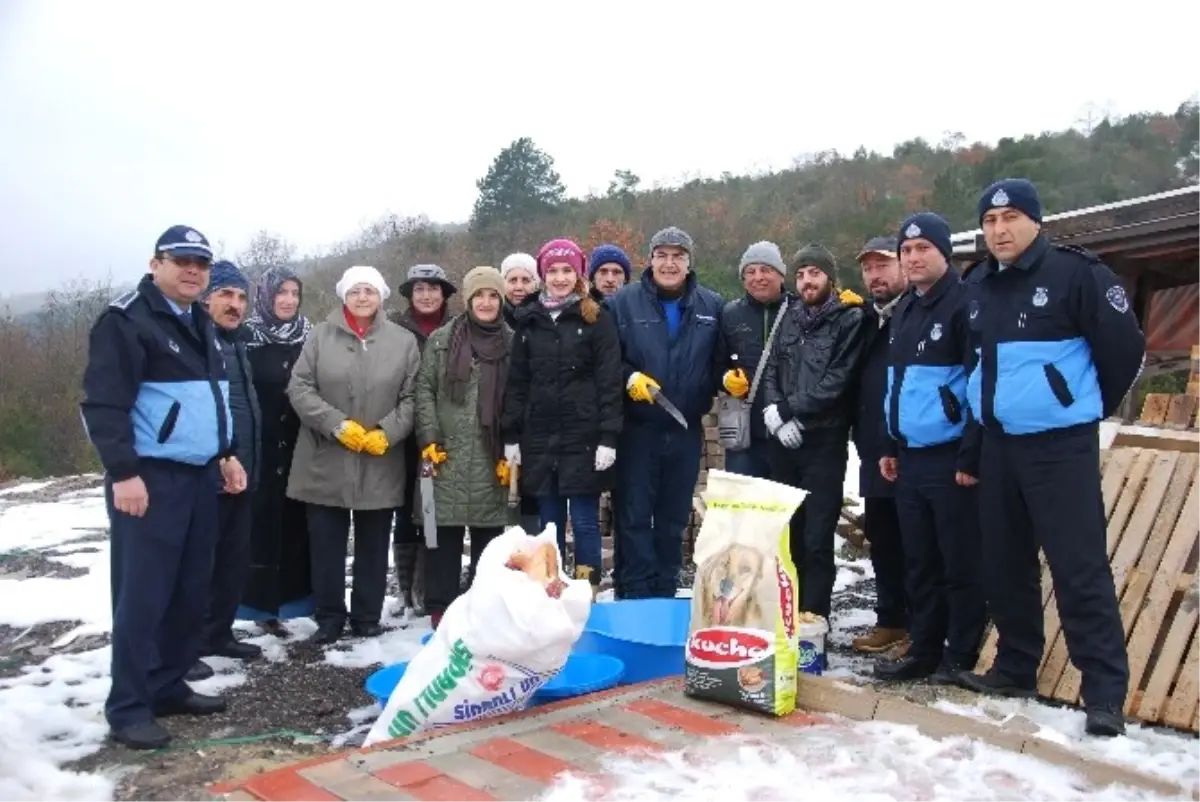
point(352, 388)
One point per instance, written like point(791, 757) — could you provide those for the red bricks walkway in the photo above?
point(514, 757)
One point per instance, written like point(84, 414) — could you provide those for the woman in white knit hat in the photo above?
point(519, 272)
point(352, 388)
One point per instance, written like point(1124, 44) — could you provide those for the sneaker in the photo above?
point(880, 639)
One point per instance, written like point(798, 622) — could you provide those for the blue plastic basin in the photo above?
point(647, 635)
point(583, 673)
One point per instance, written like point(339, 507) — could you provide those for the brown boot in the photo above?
point(899, 650)
point(880, 639)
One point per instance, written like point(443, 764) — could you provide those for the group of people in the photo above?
point(239, 451)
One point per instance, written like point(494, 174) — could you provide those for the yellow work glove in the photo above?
point(433, 453)
point(850, 298)
point(736, 383)
point(376, 443)
point(638, 387)
point(503, 472)
point(352, 435)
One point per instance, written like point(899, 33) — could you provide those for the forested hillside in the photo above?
point(834, 198)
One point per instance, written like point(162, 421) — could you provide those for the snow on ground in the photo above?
point(25, 487)
point(864, 760)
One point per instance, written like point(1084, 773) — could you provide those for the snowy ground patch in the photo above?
point(868, 760)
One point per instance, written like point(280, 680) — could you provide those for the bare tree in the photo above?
point(266, 250)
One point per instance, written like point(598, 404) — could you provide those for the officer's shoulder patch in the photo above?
point(124, 301)
point(1075, 250)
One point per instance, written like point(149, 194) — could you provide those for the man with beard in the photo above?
point(670, 330)
point(932, 456)
point(808, 385)
point(227, 300)
point(1059, 347)
point(609, 269)
point(746, 325)
point(885, 281)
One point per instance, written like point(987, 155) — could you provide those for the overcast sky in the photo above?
point(118, 119)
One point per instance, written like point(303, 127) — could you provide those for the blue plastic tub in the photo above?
point(647, 635)
point(583, 673)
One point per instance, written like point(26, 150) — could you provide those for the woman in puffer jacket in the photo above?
point(563, 403)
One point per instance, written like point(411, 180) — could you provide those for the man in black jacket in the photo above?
point(885, 281)
point(156, 409)
point(227, 299)
point(809, 384)
point(1059, 347)
point(746, 324)
point(932, 455)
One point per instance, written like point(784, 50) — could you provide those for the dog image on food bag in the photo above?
point(743, 644)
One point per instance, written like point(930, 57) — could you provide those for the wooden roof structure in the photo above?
point(1153, 240)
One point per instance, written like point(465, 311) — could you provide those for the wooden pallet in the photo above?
point(1171, 411)
point(1150, 501)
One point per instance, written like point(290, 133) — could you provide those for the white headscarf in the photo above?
point(520, 261)
point(362, 274)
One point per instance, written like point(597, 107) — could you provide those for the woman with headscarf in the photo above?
point(353, 390)
point(427, 290)
point(519, 271)
point(563, 403)
point(460, 392)
point(278, 586)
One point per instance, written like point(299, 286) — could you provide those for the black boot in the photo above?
point(147, 735)
point(328, 633)
point(366, 630)
point(904, 669)
point(198, 672)
point(197, 704)
point(993, 683)
point(1104, 721)
point(237, 650)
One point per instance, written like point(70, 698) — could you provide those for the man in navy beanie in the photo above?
point(931, 455)
point(227, 301)
point(609, 269)
point(1059, 347)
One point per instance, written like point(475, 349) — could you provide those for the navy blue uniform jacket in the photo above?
point(688, 368)
point(929, 358)
point(154, 387)
point(1057, 340)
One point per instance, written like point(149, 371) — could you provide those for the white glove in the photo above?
point(772, 419)
point(605, 457)
point(513, 454)
point(791, 434)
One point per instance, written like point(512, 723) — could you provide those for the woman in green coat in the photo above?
point(459, 396)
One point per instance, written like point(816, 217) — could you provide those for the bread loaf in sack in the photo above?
point(497, 644)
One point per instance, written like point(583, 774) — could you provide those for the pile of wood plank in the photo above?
point(1175, 410)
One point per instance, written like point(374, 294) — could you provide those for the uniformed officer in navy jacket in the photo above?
point(156, 408)
point(1059, 347)
point(932, 455)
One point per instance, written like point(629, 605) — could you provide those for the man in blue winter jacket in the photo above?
point(156, 409)
point(670, 330)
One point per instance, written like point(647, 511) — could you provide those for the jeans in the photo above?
point(585, 516)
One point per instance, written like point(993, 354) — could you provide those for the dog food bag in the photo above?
point(742, 645)
point(497, 644)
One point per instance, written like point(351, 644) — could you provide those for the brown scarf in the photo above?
point(470, 342)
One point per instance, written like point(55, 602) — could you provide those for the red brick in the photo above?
point(672, 716)
point(288, 785)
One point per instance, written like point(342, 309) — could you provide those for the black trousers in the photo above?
point(1044, 490)
point(881, 526)
point(939, 522)
point(818, 466)
point(328, 531)
point(231, 567)
point(443, 565)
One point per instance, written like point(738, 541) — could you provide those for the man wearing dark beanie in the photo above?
point(807, 391)
point(1059, 347)
point(932, 456)
point(609, 269)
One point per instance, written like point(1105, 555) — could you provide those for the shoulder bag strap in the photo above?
point(766, 354)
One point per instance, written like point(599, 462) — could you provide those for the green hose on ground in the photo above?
point(303, 737)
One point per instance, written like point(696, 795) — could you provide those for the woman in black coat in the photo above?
point(563, 401)
point(280, 585)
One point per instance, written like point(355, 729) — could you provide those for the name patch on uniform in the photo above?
point(1117, 299)
point(1040, 296)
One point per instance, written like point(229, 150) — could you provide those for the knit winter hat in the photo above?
point(518, 261)
point(674, 237)
point(609, 254)
point(930, 227)
point(226, 274)
point(1016, 193)
point(762, 253)
point(362, 274)
point(560, 250)
point(431, 274)
point(484, 277)
point(818, 256)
